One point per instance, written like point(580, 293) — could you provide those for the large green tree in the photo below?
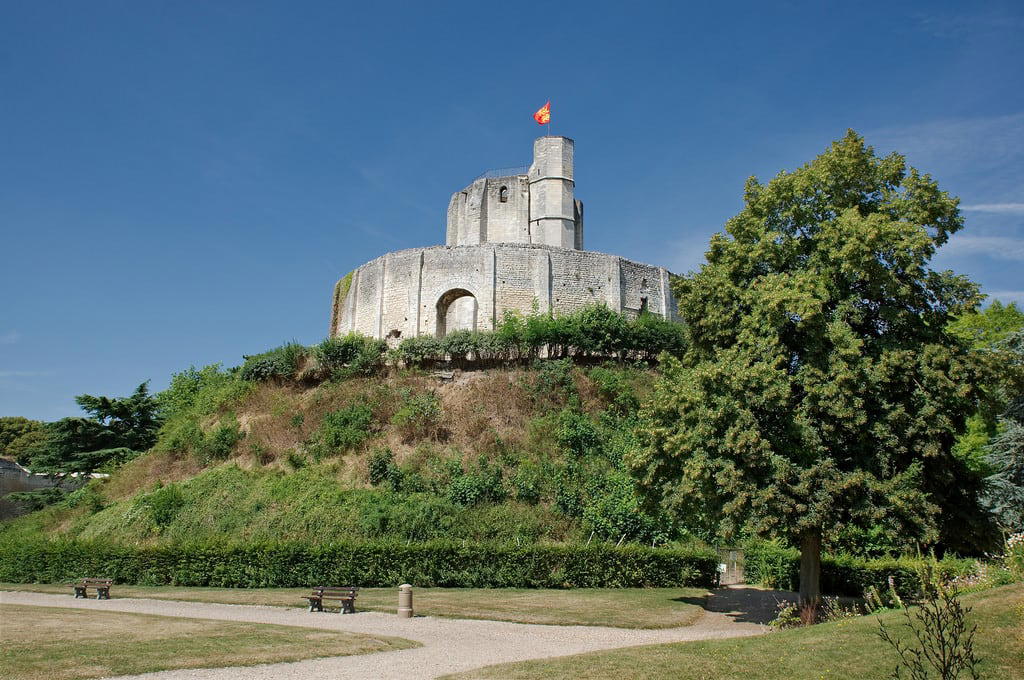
point(133, 420)
point(117, 429)
point(822, 387)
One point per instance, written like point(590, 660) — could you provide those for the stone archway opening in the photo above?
point(456, 311)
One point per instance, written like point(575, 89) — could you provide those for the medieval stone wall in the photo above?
point(417, 292)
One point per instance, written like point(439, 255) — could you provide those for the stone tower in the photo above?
point(555, 216)
point(534, 205)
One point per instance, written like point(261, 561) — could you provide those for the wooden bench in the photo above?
point(345, 595)
point(100, 585)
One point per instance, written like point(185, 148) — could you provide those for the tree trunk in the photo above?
point(810, 567)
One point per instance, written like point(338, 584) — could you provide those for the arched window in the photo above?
point(503, 194)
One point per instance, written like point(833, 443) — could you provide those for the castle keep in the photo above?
point(514, 242)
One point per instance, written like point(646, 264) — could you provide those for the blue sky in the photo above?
point(182, 183)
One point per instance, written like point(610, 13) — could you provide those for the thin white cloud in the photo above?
point(980, 157)
point(1002, 208)
point(10, 337)
point(999, 247)
point(1007, 296)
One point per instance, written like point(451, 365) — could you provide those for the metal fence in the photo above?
point(730, 566)
point(503, 172)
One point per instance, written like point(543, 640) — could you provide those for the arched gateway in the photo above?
point(456, 311)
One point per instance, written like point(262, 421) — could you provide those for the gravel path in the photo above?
point(449, 645)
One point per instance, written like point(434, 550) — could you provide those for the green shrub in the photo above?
point(577, 434)
point(615, 389)
point(771, 564)
point(36, 499)
point(280, 363)
point(553, 382)
point(381, 465)
point(219, 443)
point(163, 504)
point(484, 484)
point(419, 416)
point(529, 482)
point(295, 459)
point(419, 350)
point(88, 497)
point(460, 345)
point(615, 512)
point(597, 330)
point(650, 335)
point(350, 355)
point(199, 392)
point(342, 431)
point(570, 489)
point(368, 564)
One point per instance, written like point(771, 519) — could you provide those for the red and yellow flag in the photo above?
point(543, 115)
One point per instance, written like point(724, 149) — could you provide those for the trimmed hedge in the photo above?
point(774, 566)
point(443, 564)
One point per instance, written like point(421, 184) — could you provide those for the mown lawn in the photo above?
point(844, 650)
point(619, 607)
point(50, 643)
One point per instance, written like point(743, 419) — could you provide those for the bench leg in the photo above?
point(348, 607)
point(103, 593)
point(316, 605)
point(80, 593)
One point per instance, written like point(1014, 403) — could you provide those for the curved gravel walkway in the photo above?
point(449, 645)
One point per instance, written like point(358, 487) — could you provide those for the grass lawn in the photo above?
point(619, 607)
point(49, 643)
point(844, 650)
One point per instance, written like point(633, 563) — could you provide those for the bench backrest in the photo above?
point(346, 591)
point(97, 582)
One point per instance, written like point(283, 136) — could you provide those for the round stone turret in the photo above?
point(553, 213)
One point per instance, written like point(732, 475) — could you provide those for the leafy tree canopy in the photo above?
point(117, 429)
point(13, 427)
point(821, 386)
point(133, 420)
point(18, 434)
point(989, 327)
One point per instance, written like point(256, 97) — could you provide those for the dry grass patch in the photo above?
point(616, 607)
point(482, 407)
point(45, 643)
point(140, 473)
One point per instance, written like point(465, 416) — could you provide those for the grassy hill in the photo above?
point(517, 455)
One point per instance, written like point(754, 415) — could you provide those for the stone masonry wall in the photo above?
point(397, 295)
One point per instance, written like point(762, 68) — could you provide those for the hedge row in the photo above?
point(774, 566)
point(366, 564)
point(593, 333)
